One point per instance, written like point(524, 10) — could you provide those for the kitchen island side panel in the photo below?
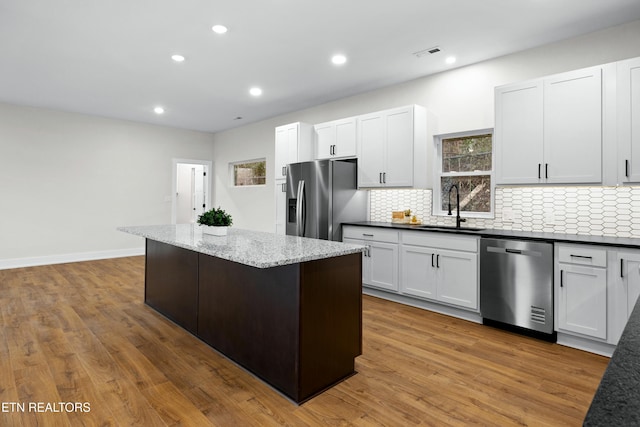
point(171, 283)
point(251, 316)
point(330, 321)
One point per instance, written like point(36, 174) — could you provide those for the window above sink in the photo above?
point(466, 160)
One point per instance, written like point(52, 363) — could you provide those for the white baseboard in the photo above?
point(6, 264)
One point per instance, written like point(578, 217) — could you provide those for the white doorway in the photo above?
point(191, 190)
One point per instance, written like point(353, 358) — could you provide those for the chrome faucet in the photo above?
point(458, 219)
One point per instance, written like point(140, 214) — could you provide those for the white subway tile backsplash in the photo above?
point(608, 211)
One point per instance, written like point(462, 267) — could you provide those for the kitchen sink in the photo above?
point(447, 227)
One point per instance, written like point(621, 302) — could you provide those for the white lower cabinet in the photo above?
point(380, 258)
point(582, 304)
point(439, 266)
point(626, 288)
point(581, 290)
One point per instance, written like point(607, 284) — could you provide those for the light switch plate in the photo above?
point(507, 215)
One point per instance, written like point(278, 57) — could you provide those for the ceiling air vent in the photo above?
point(426, 52)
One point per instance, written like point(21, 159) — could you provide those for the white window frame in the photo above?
point(438, 174)
point(232, 166)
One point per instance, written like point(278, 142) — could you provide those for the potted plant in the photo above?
point(215, 222)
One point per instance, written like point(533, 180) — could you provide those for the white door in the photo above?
point(458, 278)
point(325, 140)
point(383, 265)
point(418, 271)
point(573, 127)
point(345, 138)
point(518, 133)
point(190, 192)
point(371, 140)
point(398, 170)
point(629, 120)
point(582, 305)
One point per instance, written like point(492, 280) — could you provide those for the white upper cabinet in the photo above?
point(389, 144)
point(293, 144)
point(518, 133)
point(573, 127)
point(628, 111)
point(335, 139)
point(550, 130)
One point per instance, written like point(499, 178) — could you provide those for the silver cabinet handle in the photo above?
point(438, 261)
point(384, 177)
point(284, 187)
point(284, 171)
point(368, 235)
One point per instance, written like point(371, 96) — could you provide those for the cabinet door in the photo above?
point(630, 275)
point(345, 138)
point(371, 147)
point(573, 127)
point(518, 133)
point(281, 202)
point(458, 278)
point(383, 264)
point(325, 140)
point(286, 150)
point(582, 305)
point(398, 170)
point(629, 120)
point(418, 271)
point(282, 152)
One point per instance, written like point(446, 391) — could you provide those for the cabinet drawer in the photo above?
point(370, 233)
point(582, 255)
point(440, 240)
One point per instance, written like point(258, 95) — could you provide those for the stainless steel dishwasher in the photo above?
point(516, 284)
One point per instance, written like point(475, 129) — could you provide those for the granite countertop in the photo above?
point(616, 401)
point(253, 248)
point(626, 242)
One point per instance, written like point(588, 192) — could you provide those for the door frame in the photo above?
point(208, 169)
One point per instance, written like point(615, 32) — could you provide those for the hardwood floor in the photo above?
point(81, 333)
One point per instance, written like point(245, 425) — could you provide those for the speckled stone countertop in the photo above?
point(625, 242)
point(254, 248)
point(617, 400)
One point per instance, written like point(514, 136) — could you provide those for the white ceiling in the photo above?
point(112, 57)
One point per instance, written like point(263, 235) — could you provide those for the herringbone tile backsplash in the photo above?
point(602, 211)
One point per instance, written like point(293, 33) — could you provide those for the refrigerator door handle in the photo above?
point(300, 210)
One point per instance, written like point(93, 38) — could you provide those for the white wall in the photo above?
point(461, 99)
point(68, 180)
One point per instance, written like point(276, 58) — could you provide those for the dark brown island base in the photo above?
point(288, 309)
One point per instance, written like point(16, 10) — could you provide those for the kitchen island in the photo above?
point(288, 309)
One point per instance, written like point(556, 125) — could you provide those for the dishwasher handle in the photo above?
point(499, 250)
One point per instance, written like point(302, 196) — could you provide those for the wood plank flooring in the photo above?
point(80, 332)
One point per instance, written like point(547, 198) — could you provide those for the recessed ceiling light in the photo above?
point(158, 110)
point(450, 60)
point(219, 29)
point(338, 59)
point(177, 58)
point(255, 91)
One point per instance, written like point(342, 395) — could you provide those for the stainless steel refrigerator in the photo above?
point(321, 195)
